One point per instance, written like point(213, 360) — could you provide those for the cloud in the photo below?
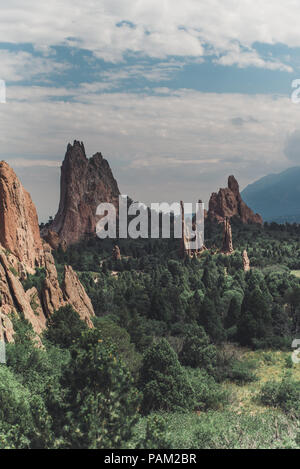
point(154, 152)
point(239, 121)
point(250, 58)
point(33, 163)
point(113, 28)
point(19, 66)
point(161, 71)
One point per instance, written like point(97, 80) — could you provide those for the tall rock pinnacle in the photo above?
point(85, 183)
point(19, 229)
point(229, 203)
point(227, 247)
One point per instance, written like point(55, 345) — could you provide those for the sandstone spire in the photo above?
point(228, 203)
point(227, 247)
point(84, 184)
point(246, 262)
point(185, 244)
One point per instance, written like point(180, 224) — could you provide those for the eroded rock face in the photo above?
point(52, 296)
point(246, 261)
point(14, 298)
point(85, 183)
point(228, 203)
point(19, 229)
point(52, 238)
point(21, 250)
point(6, 325)
point(227, 247)
point(76, 296)
point(72, 291)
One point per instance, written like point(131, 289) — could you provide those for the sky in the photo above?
point(176, 95)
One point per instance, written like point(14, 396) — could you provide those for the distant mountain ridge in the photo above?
point(276, 196)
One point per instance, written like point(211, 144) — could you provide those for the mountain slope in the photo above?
point(276, 196)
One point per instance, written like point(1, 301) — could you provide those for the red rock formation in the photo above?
point(19, 229)
point(85, 183)
point(246, 262)
point(14, 297)
point(6, 325)
point(185, 243)
point(72, 291)
point(227, 247)
point(228, 203)
point(21, 250)
point(75, 295)
point(52, 296)
point(188, 240)
point(52, 238)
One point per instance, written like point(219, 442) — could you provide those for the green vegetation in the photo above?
point(191, 353)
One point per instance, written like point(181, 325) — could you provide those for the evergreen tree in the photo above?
point(255, 320)
point(164, 382)
point(102, 403)
point(211, 321)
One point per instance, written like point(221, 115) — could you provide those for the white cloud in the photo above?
point(160, 28)
point(17, 66)
point(160, 146)
point(30, 163)
point(162, 71)
point(250, 58)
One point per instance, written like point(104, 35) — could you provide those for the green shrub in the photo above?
point(289, 362)
point(156, 435)
point(284, 394)
point(35, 280)
point(208, 394)
point(242, 372)
point(64, 327)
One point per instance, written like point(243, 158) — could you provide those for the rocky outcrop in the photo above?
point(6, 325)
point(85, 183)
point(72, 291)
point(246, 261)
point(21, 251)
point(14, 298)
point(190, 239)
point(185, 249)
point(52, 238)
point(75, 295)
point(19, 229)
point(116, 254)
point(52, 296)
point(228, 203)
point(227, 247)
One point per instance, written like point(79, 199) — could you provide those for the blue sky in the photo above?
point(176, 95)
